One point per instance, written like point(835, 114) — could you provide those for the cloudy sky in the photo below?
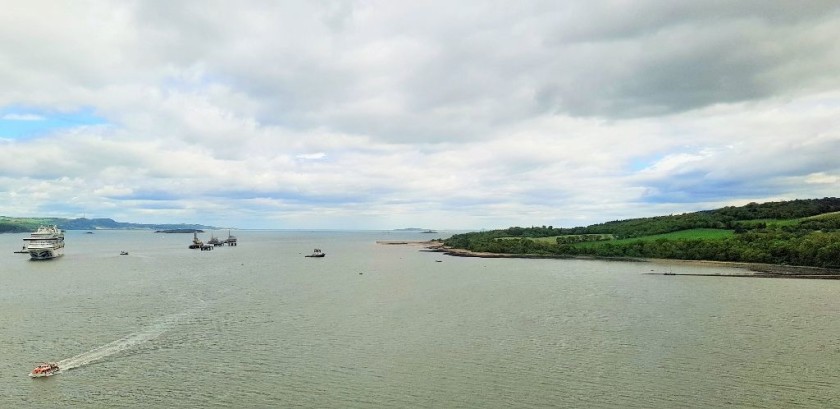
point(437, 114)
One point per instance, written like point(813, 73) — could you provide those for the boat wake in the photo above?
point(130, 341)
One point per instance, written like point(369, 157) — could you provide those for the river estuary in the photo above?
point(260, 325)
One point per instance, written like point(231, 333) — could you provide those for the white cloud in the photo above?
point(312, 156)
point(822, 178)
point(384, 114)
point(22, 117)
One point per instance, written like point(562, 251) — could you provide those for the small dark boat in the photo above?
point(316, 253)
point(123, 253)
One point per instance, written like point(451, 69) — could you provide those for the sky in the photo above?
point(434, 114)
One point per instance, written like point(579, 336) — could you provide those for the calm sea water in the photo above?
point(369, 325)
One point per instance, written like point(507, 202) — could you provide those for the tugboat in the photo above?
point(45, 369)
point(316, 253)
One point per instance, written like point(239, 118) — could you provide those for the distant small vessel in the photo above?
point(123, 253)
point(88, 232)
point(196, 243)
point(429, 231)
point(316, 253)
point(180, 231)
point(45, 243)
point(45, 369)
point(231, 240)
point(215, 241)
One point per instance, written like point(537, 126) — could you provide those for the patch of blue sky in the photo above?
point(293, 197)
point(148, 195)
point(641, 163)
point(18, 122)
point(460, 203)
point(50, 208)
point(694, 191)
point(159, 205)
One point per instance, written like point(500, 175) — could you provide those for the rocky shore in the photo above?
point(758, 269)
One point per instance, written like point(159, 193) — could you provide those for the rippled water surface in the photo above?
point(259, 325)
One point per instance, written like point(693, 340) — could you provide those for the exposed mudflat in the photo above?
point(751, 269)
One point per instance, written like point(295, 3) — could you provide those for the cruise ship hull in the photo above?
point(44, 254)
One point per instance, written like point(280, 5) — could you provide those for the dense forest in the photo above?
point(798, 232)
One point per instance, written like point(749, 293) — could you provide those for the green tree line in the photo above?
point(808, 242)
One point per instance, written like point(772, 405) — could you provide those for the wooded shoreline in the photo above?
point(765, 237)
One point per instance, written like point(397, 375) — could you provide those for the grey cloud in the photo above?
point(653, 59)
point(454, 71)
point(478, 111)
point(744, 173)
point(599, 21)
point(659, 58)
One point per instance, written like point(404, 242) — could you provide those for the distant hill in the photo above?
point(28, 224)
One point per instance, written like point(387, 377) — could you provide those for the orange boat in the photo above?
point(45, 369)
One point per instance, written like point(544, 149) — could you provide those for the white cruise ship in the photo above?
point(46, 243)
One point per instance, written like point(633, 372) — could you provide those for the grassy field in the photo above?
point(704, 234)
point(832, 215)
point(772, 222)
point(553, 239)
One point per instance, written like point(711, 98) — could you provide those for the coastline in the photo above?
point(752, 270)
point(757, 269)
